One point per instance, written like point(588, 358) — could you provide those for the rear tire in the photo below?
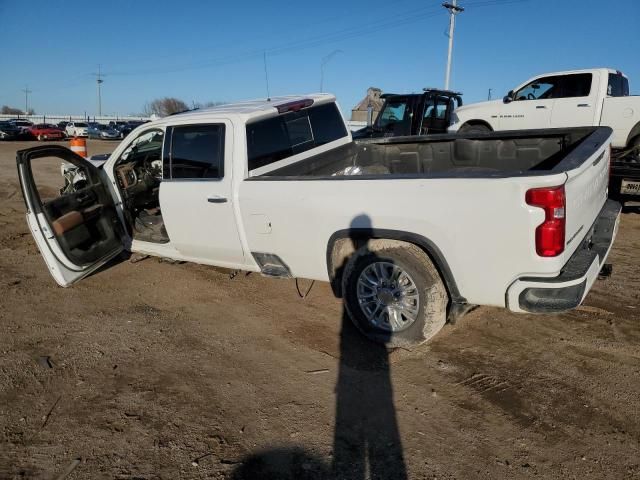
point(478, 128)
point(635, 143)
point(415, 321)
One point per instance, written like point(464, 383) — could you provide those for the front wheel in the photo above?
point(394, 294)
point(474, 129)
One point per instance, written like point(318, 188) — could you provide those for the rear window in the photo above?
point(291, 133)
point(618, 85)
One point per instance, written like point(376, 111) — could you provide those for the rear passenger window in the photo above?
point(196, 151)
point(577, 85)
point(291, 133)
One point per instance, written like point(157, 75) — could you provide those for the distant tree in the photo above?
point(7, 110)
point(164, 106)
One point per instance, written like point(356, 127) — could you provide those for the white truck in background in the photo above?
point(408, 230)
point(574, 98)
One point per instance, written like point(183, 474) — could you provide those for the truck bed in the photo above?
point(500, 154)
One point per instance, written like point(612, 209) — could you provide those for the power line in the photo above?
point(287, 33)
point(389, 22)
point(323, 62)
point(331, 37)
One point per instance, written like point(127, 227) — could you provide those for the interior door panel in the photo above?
point(77, 231)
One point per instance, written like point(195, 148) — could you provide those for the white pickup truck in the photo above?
point(575, 98)
point(409, 230)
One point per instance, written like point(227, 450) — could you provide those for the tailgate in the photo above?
point(586, 187)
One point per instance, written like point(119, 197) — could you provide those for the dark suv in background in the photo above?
point(125, 128)
point(9, 131)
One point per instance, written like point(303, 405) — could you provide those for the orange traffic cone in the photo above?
point(79, 146)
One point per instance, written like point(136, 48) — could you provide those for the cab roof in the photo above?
point(249, 109)
point(582, 70)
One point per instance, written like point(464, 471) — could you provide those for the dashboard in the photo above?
point(139, 180)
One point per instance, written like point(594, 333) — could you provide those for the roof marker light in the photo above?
point(295, 106)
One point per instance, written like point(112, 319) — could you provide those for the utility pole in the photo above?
point(454, 9)
point(266, 74)
point(26, 99)
point(99, 81)
point(323, 62)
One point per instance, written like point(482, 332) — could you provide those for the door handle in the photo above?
point(216, 199)
point(584, 105)
point(541, 106)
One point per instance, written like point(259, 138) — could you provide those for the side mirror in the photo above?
point(508, 98)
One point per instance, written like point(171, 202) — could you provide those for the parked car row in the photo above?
point(20, 129)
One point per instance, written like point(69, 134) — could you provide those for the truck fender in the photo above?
point(343, 243)
point(635, 132)
point(470, 123)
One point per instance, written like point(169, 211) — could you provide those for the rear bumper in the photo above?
point(568, 290)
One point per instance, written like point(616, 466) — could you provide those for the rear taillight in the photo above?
point(550, 233)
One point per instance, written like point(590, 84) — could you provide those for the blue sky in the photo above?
point(213, 50)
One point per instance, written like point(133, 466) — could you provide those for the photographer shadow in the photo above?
point(366, 441)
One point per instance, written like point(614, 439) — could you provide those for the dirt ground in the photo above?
point(153, 370)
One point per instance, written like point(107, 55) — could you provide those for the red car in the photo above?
point(46, 131)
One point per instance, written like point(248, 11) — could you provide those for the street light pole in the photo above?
point(99, 82)
point(454, 9)
point(323, 62)
point(26, 99)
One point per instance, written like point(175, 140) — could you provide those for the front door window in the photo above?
point(539, 89)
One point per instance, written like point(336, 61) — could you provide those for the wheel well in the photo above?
point(633, 134)
point(343, 244)
point(472, 123)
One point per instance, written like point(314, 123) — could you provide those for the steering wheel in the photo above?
point(530, 96)
point(392, 117)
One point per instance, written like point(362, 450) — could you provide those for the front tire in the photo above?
point(478, 128)
point(394, 294)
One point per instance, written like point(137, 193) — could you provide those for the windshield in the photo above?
point(80, 124)
point(148, 145)
point(394, 111)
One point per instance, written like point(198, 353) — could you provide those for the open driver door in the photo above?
point(77, 230)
